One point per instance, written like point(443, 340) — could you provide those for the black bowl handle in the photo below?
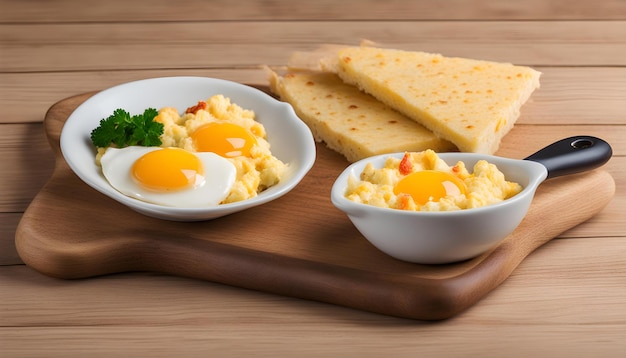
point(573, 155)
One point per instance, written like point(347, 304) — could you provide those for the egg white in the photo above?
point(209, 190)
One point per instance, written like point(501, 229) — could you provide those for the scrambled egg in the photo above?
point(256, 171)
point(380, 187)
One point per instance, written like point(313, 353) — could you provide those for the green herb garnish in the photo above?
point(122, 130)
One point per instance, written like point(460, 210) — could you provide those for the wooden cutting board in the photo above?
point(299, 245)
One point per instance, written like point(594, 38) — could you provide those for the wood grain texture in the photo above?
point(27, 163)
point(8, 253)
point(198, 10)
point(190, 45)
point(550, 299)
point(91, 235)
point(564, 300)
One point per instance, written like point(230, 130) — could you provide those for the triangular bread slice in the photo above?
point(349, 121)
point(471, 103)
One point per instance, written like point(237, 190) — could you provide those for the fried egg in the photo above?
point(169, 176)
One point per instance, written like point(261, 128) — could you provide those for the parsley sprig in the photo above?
point(122, 129)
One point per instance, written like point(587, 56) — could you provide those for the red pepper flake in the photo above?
point(406, 167)
point(456, 169)
point(197, 107)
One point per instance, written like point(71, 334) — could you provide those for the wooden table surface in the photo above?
point(566, 299)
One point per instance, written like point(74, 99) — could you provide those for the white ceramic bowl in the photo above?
point(290, 139)
point(445, 237)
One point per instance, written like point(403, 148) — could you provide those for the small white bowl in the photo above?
point(290, 139)
point(451, 236)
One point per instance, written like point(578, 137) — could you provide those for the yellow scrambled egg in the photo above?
point(402, 184)
point(256, 171)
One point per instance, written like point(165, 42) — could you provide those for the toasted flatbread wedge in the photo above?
point(349, 121)
point(471, 103)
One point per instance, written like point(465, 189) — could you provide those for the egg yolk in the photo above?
point(226, 139)
point(430, 185)
point(167, 169)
